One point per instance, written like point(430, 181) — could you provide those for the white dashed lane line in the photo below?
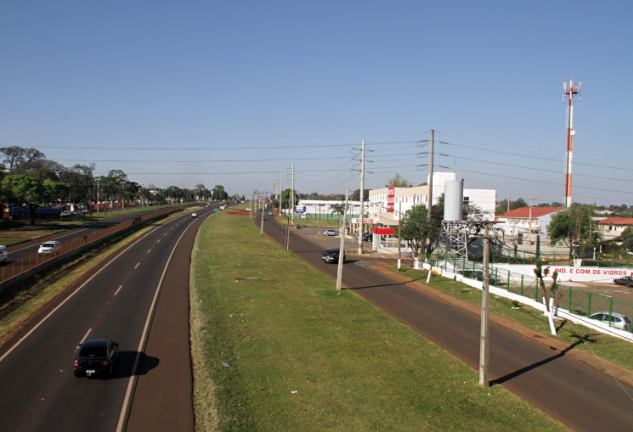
point(149, 251)
point(136, 266)
point(117, 291)
point(83, 339)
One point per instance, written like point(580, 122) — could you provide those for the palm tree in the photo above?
point(339, 209)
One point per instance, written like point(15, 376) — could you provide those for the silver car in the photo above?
point(617, 320)
point(49, 247)
point(329, 232)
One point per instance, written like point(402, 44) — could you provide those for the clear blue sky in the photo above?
point(208, 91)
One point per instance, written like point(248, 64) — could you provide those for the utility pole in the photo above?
point(508, 203)
point(530, 226)
point(97, 196)
point(292, 193)
point(431, 172)
point(341, 251)
point(362, 202)
point(570, 92)
point(399, 231)
point(485, 333)
point(261, 228)
point(280, 190)
point(252, 206)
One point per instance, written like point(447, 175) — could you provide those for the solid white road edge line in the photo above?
point(127, 402)
point(70, 296)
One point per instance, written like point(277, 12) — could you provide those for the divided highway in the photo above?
point(575, 394)
point(38, 390)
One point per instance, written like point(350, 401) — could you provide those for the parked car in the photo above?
point(332, 255)
point(626, 281)
point(329, 232)
point(193, 215)
point(96, 357)
point(4, 253)
point(49, 247)
point(366, 237)
point(76, 212)
point(617, 320)
point(66, 213)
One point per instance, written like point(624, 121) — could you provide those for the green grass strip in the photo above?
point(281, 327)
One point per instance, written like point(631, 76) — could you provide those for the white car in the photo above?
point(4, 253)
point(329, 232)
point(66, 213)
point(49, 247)
point(617, 320)
point(193, 215)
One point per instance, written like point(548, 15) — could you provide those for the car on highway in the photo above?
point(66, 213)
point(49, 247)
point(329, 232)
point(617, 319)
point(4, 253)
point(332, 255)
point(626, 281)
point(96, 357)
point(193, 215)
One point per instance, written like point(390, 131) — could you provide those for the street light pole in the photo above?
point(341, 251)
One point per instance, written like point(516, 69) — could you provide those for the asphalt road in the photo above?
point(22, 250)
point(577, 395)
point(38, 390)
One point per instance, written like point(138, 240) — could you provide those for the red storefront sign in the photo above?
point(383, 231)
point(391, 198)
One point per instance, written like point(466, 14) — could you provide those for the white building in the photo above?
point(405, 198)
point(613, 228)
point(522, 221)
point(314, 209)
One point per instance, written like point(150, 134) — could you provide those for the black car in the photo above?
point(367, 237)
point(626, 281)
point(331, 255)
point(96, 357)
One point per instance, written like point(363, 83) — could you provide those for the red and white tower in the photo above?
point(569, 92)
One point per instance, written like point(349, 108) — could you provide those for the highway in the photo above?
point(575, 394)
point(38, 390)
point(22, 250)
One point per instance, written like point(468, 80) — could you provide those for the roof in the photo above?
point(616, 221)
point(524, 212)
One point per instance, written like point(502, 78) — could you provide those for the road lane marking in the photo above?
point(69, 297)
point(127, 402)
point(117, 291)
point(149, 251)
point(158, 241)
point(83, 339)
point(136, 266)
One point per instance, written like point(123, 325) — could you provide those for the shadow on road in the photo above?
point(526, 369)
point(125, 364)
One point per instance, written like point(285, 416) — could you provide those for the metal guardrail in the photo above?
point(33, 261)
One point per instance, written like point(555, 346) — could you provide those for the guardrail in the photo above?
point(21, 267)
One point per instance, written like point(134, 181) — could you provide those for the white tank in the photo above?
point(454, 200)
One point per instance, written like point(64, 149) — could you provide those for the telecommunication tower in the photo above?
point(569, 92)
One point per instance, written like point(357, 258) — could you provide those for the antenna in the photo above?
point(569, 93)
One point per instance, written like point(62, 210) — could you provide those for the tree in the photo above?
point(356, 195)
point(417, 227)
point(17, 156)
point(398, 181)
point(573, 227)
point(285, 198)
point(30, 191)
point(627, 238)
point(338, 209)
point(219, 193)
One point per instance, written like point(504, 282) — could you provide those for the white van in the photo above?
point(4, 253)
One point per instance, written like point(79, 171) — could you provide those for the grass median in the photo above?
point(276, 347)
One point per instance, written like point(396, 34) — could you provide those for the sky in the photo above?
point(233, 93)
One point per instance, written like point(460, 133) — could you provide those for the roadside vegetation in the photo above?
point(276, 347)
point(615, 350)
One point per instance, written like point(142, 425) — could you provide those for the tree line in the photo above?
point(28, 178)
